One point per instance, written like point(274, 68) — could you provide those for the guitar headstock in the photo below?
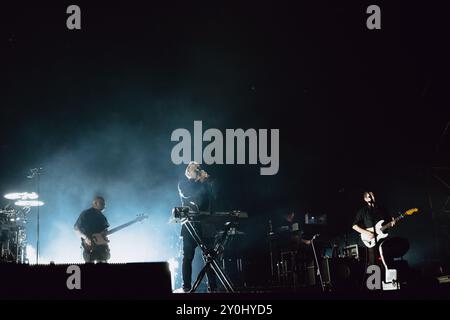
point(141, 217)
point(411, 211)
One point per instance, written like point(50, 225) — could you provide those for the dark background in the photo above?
point(357, 110)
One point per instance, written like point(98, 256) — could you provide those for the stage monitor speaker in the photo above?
point(85, 281)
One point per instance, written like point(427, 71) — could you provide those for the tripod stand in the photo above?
point(209, 256)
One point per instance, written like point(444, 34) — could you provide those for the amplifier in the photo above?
point(342, 273)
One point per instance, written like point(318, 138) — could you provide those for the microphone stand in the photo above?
point(36, 173)
point(270, 237)
point(372, 215)
point(317, 262)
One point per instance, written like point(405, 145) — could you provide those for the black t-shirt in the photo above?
point(200, 193)
point(91, 221)
point(366, 217)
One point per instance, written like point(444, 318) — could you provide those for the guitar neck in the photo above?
point(122, 226)
point(388, 225)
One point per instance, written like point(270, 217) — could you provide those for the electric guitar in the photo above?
point(101, 238)
point(380, 229)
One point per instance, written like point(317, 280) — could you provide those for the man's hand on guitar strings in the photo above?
point(88, 241)
point(370, 234)
point(393, 222)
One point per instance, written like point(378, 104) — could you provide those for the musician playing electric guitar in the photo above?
point(367, 217)
point(91, 222)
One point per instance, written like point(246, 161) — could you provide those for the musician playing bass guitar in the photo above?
point(90, 222)
point(366, 218)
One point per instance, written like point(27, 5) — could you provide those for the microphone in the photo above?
point(371, 201)
point(205, 173)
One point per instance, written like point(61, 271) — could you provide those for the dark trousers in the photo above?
point(372, 254)
point(97, 254)
point(189, 245)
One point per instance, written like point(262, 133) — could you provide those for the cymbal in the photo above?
point(13, 196)
point(29, 203)
point(21, 196)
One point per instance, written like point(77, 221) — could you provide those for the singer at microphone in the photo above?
point(196, 192)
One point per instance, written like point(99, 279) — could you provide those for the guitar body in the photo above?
point(370, 243)
point(97, 239)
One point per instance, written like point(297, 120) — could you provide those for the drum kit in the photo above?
point(13, 222)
